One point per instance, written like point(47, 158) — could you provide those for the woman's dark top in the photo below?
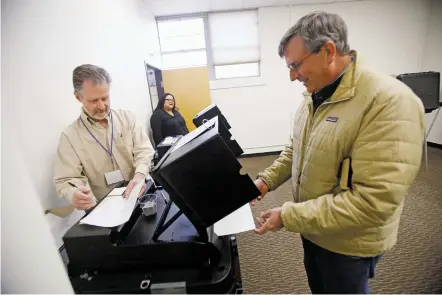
point(164, 125)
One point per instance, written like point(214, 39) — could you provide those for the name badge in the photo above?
point(114, 177)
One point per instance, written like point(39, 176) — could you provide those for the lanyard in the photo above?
point(112, 136)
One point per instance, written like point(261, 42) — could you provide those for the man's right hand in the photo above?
point(263, 188)
point(83, 199)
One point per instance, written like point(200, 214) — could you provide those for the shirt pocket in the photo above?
point(124, 143)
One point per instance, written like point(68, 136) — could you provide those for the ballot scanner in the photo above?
point(197, 183)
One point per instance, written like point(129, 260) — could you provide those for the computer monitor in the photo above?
point(208, 113)
point(426, 85)
point(213, 111)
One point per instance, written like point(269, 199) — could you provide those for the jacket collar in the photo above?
point(347, 86)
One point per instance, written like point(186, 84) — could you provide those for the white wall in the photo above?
point(30, 260)
point(42, 42)
point(432, 61)
point(388, 34)
point(260, 112)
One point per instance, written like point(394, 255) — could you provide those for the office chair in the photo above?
point(426, 85)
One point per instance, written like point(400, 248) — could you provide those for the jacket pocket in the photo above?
point(345, 174)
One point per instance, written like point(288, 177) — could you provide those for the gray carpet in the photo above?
point(273, 263)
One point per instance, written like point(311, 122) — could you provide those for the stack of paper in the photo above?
point(118, 191)
point(114, 210)
point(169, 140)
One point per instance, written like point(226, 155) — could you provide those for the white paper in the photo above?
point(118, 191)
point(169, 140)
point(236, 222)
point(113, 210)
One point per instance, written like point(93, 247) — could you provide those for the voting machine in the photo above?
point(162, 148)
point(197, 183)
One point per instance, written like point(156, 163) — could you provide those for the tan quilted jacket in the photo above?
point(351, 163)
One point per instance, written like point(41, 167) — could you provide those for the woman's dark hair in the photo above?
point(162, 100)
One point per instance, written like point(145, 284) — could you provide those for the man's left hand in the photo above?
point(136, 180)
point(269, 220)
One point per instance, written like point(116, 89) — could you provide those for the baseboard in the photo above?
point(435, 145)
point(272, 153)
point(263, 149)
point(260, 154)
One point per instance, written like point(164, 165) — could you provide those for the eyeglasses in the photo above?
point(297, 66)
point(170, 99)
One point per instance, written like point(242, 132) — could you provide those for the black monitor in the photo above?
point(208, 113)
point(202, 176)
point(426, 85)
point(213, 111)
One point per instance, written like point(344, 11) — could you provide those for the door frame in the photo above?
point(158, 81)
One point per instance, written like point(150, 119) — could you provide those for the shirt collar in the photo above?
point(86, 118)
point(328, 90)
point(347, 81)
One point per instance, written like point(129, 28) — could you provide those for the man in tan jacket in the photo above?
point(355, 150)
point(102, 147)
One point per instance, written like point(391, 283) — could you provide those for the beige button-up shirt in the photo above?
point(82, 161)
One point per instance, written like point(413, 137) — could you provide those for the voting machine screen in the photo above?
point(202, 176)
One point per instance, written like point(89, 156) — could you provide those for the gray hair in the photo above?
point(91, 73)
point(315, 29)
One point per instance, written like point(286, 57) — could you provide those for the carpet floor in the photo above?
point(273, 263)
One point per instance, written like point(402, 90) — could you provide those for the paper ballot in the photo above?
point(169, 140)
point(113, 210)
point(118, 191)
point(238, 221)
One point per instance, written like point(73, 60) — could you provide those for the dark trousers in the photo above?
point(332, 273)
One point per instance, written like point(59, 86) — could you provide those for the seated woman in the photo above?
point(166, 120)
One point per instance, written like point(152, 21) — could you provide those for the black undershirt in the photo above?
point(322, 95)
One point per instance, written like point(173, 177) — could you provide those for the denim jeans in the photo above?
point(332, 273)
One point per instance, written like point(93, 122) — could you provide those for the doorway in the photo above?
point(155, 83)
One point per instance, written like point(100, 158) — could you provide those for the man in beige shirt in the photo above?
point(102, 147)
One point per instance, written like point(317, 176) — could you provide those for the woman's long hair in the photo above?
point(162, 100)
